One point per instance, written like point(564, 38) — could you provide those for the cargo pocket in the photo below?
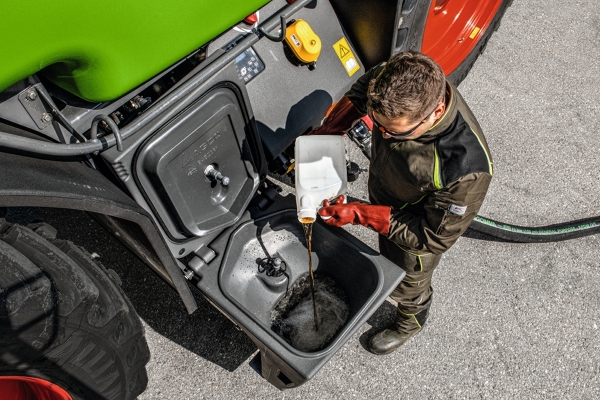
point(412, 262)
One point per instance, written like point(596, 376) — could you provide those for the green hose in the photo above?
point(542, 234)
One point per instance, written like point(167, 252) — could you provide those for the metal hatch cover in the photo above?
point(198, 170)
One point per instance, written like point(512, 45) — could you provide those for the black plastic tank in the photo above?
point(248, 296)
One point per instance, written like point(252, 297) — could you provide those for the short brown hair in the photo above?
point(410, 85)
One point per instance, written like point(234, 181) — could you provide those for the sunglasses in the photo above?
point(398, 135)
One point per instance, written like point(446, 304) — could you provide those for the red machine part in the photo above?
point(454, 27)
point(29, 388)
point(251, 19)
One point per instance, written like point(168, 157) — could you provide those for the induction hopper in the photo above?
point(364, 275)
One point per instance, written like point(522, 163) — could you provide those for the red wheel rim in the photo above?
point(454, 27)
point(28, 388)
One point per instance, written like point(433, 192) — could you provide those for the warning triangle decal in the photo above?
point(343, 51)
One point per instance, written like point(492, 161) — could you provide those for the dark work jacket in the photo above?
point(436, 183)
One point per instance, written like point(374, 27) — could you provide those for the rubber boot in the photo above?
point(405, 327)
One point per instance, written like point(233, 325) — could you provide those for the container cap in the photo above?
point(307, 215)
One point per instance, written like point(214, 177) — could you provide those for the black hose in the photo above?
point(281, 34)
point(542, 234)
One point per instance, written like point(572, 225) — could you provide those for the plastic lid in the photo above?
point(307, 215)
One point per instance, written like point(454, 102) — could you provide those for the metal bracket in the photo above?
point(31, 101)
point(36, 102)
point(58, 115)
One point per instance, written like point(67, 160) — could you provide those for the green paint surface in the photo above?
point(101, 49)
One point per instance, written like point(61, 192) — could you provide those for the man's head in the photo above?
point(409, 91)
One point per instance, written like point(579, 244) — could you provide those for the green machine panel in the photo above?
point(100, 50)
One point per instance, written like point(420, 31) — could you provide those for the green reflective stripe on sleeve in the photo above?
point(416, 202)
point(412, 204)
point(437, 182)
point(489, 160)
point(420, 263)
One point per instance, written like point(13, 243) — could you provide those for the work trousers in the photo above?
point(414, 294)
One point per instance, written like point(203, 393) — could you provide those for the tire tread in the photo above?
point(88, 311)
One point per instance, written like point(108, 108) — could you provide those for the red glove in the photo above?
point(374, 217)
point(341, 118)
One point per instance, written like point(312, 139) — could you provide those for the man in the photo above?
point(430, 170)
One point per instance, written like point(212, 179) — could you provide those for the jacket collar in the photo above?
point(449, 116)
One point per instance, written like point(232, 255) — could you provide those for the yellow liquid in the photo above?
point(308, 225)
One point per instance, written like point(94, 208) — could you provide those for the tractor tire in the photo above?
point(67, 330)
point(457, 31)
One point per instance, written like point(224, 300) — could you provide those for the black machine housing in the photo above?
point(191, 173)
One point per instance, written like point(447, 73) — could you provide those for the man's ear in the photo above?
point(439, 110)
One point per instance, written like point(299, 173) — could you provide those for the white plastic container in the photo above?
point(320, 172)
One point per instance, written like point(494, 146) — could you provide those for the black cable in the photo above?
point(113, 127)
point(281, 35)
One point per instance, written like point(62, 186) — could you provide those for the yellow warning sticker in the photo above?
point(474, 33)
point(348, 59)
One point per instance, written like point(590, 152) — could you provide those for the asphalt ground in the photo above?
point(508, 320)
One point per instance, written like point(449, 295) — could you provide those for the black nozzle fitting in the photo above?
point(361, 135)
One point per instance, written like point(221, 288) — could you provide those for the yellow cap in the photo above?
point(305, 44)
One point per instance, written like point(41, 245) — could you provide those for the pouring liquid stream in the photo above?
point(307, 224)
